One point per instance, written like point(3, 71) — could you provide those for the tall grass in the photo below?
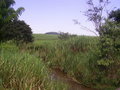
point(22, 71)
point(72, 56)
point(78, 57)
point(45, 37)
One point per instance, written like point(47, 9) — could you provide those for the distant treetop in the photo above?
point(53, 33)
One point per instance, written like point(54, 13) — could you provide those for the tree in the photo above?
point(8, 13)
point(109, 39)
point(115, 15)
point(18, 31)
point(95, 13)
point(108, 27)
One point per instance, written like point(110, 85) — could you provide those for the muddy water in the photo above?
point(60, 76)
point(57, 74)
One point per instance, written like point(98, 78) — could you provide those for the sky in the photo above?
point(57, 15)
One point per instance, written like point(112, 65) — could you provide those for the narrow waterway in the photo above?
point(57, 74)
point(60, 76)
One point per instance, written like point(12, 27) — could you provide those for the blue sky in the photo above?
point(57, 15)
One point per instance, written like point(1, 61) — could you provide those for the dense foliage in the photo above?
point(18, 31)
point(115, 15)
point(110, 36)
point(10, 27)
point(7, 12)
point(109, 45)
point(64, 36)
point(109, 39)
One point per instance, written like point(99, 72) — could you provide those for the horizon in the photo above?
point(57, 15)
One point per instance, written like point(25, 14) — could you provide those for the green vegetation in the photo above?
point(7, 13)
point(115, 15)
point(80, 58)
point(91, 61)
point(64, 36)
point(10, 27)
point(45, 37)
point(18, 31)
point(20, 70)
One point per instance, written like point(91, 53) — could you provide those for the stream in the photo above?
point(60, 76)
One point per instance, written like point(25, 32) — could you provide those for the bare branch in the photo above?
point(95, 13)
point(83, 27)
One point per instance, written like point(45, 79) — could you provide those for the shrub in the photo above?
point(109, 54)
point(64, 36)
point(110, 40)
point(18, 31)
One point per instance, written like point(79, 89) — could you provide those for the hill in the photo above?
point(52, 33)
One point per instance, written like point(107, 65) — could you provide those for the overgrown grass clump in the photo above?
point(79, 57)
point(75, 57)
point(22, 71)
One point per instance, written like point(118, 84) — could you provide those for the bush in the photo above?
point(110, 51)
point(64, 36)
point(18, 31)
point(110, 40)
